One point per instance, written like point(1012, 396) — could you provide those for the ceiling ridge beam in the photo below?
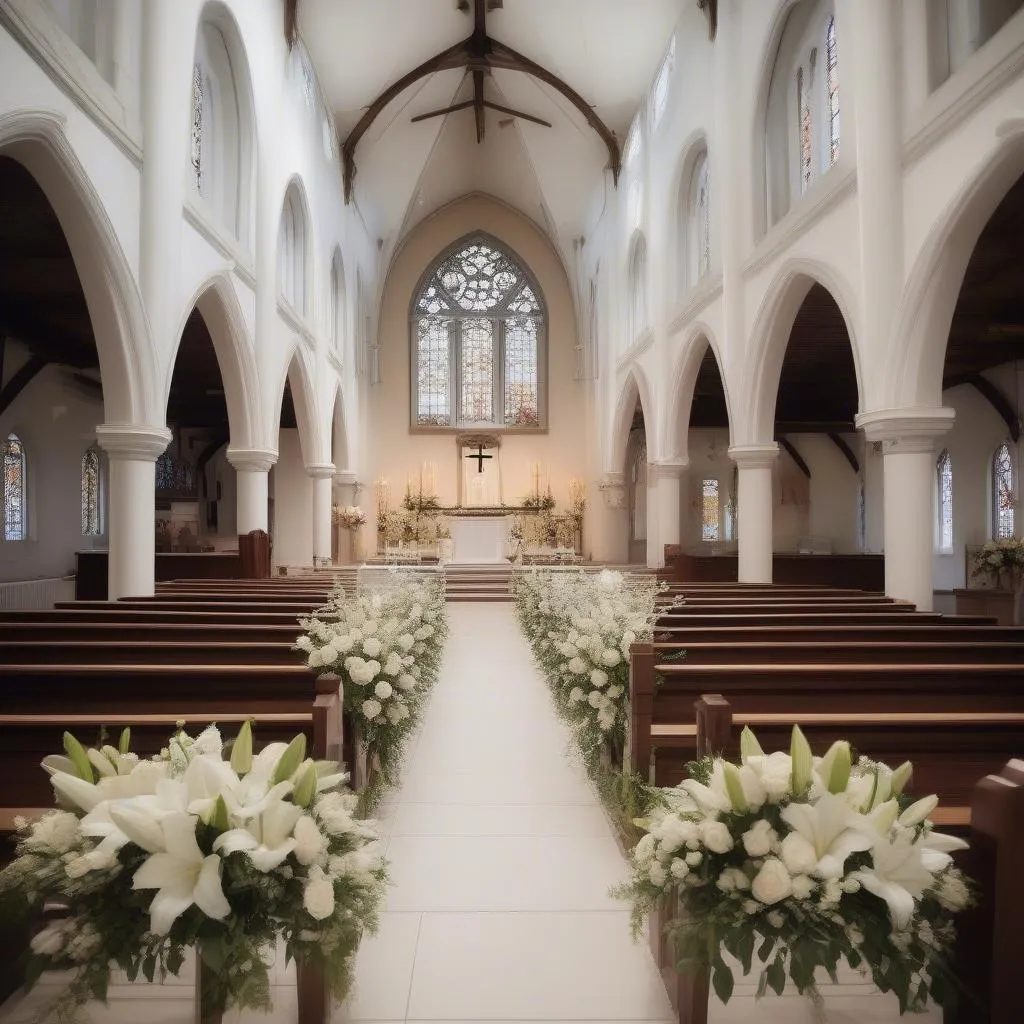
point(517, 113)
point(20, 380)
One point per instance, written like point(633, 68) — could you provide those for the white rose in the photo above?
point(343, 642)
point(803, 886)
point(393, 665)
point(757, 840)
point(314, 660)
point(56, 831)
point(371, 708)
point(577, 666)
point(383, 689)
point(610, 657)
point(371, 646)
point(405, 641)
point(318, 897)
point(595, 699)
point(598, 677)
point(657, 874)
point(50, 941)
point(310, 843)
point(644, 850)
point(680, 869)
point(694, 858)
point(775, 772)
point(304, 643)
point(716, 837)
point(773, 882)
point(576, 695)
point(328, 654)
point(406, 682)
point(798, 854)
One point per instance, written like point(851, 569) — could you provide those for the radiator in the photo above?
point(36, 594)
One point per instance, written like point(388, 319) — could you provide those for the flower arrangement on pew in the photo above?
point(812, 861)
point(386, 646)
point(580, 626)
point(351, 517)
point(152, 857)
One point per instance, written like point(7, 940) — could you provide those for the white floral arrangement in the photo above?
point(386, 646)
point(189, 849)
point(580, 626)
point(999, 556)
point(809, 860)
point(350, 516)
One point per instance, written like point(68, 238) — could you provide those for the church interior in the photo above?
point(722, 299)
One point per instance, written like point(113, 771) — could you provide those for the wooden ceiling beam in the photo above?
point(787, 446)
point(20, 380)
point(478, 102)
point(848, 452)
point(992, 395)
point(710, 8)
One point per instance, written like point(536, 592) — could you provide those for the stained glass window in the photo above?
point(803, 102)
point(1003, 501)
point(478, 325)
point(91, 526)
point(659, 98)
point(710, 511)
point(944, 472)
point(196, 150)
point(832, 82)
point(15, 518)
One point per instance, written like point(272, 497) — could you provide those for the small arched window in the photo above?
point(698, 222)
point(337, 302)
point(638, 313)
point(92, 515)
point(478, 339)
point(15, 489)
point(832, 86)
point(291, 253)
point(710, 511)
point(944, 480)
point(1003, 493)
point(660, 93)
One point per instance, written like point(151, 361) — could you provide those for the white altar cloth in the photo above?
point(477, 539)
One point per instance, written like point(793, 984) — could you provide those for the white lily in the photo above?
point(712, 797)
point(142, 780)
point(901, 869)
point(182, 876)
point(267, 840)
point(823, 832)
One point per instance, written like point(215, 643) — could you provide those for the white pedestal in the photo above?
point(479, 539)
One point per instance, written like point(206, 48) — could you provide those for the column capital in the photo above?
point(906, 431)
point(345, 476)
point(138, 442)
point(667, 469)
point(252, 460)
point(754, 456)
point(613, 487)
point(321, 470)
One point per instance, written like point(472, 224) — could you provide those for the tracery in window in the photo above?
point(15, 510)
point(659, 96)
point(710, 509)
point(196, 150)
point(478, 330)
point(832, 83)
point(944, 473)
point(91, 518)
point(1003, 499)
point(804, 123)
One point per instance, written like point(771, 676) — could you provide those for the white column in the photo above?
point(252, 469)
point(323, 476)
point(166, 92)
point(908, 449)
point(871, 28)
point(132, 451)
point(615, 517)
point(668, 502)
point(754, 510)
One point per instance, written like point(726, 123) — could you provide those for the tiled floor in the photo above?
point(501, 860)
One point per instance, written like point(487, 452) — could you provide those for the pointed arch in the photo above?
point(217, 303)
point(341, 455)
point(916, 364)
point(1004, 493)
point(770, 339)
point(297, 374)
point(684, 382)
point(295, 249)
point(37, 140)
point(634, 387)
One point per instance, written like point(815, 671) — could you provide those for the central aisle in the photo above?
point(501, 859)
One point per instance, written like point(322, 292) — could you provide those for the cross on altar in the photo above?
point(479, 456)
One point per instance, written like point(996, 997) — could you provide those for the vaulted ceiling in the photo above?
point(607, 51)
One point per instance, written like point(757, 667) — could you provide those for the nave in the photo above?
point(501, 861)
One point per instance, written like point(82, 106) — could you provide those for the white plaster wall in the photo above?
point(57, 422)
point(291, 490)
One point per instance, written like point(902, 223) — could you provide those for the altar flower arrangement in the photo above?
point(999, 557)
point(351, 517)
point(809, 860)
point(386, 645)
point(193, 849)
point(580, 626)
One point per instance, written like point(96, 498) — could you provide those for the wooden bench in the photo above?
point(127, 652)
point(829, 652)
point(912, 631)
point(41, 630)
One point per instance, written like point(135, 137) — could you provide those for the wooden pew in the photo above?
point(44, 631)
point(829, 652)
point(913, 631)
point(129, 652)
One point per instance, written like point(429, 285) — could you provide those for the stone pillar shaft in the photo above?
point(754, 510)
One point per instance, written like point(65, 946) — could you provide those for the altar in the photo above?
point(477, 539)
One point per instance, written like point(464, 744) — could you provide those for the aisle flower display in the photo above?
point(192, 850)
point(1002, 561)
point(386, 645)
point(580, 626)
point(351, 517)
point(809, 862)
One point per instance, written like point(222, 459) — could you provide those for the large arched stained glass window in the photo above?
point(1003, 501)
point(478, 339)
point(15, 503)
point(91, 518)
point(944, 475)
